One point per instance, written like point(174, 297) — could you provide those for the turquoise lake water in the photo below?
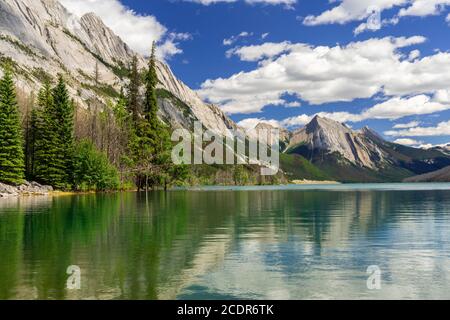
point(281, 242)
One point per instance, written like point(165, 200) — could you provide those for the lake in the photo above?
point(283, 242)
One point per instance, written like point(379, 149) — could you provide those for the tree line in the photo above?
point(47, 150)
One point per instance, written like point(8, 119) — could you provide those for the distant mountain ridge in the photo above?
point(360, 156)
point(324, 136)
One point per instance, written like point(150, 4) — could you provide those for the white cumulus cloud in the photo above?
point(441, 129)
point(408, 142)
point(351, 10)
point(411, 124)
point(345, 11)
point(391, 109)
point(269, 2)
point(251, 123)
point(233, 39)
point(323, 74)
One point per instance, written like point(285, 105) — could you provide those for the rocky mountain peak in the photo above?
point(93, 17)
point(284, 133)
point(326, 136)
point(103, 40)
point(314, 124)
point(325, 124)
point(371, 134)
point(264, 126)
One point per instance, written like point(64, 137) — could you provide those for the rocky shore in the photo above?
point(26, 189)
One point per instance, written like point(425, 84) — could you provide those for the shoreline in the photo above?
point(292, 184)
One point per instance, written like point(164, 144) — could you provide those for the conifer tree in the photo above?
point(133, 90)
point(53, 126)
point(64, 120)
point(120, 109)
point(31, 143)
point(149, 141)
point(29, 136)
point(46, 160)
point(148, 133)
point(151, 101)
point(155, 134)
point(12, 162)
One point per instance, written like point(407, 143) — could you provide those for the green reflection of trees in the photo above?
point(151, 245)
point(11, 239)
point(54, 235)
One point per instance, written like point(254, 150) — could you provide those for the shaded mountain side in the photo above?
point(444, 148)
point(416, 160)
point(296, 167)
point(341, 170)
point(442, 175)
point(239, 175)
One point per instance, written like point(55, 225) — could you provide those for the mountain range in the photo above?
point(343, 154)
point(38, 33)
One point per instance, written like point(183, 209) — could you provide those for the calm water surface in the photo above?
point(289, 242)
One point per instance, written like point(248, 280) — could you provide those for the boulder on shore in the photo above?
point(26, 189)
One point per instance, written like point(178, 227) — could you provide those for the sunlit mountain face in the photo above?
point(378, 63)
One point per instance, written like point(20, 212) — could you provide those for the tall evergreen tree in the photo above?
point(46, 161)
point(157, 132)
point(121, 109)
point(133, 90)
point(64, 119)
point(149, 141)
point(29, 136)
point(31, 144)
point(12, 162)
point(155, 135)
point(53, 126)
point(151, 101)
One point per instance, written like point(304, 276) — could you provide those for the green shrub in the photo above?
point(92, 170)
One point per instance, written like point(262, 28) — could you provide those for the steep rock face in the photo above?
point(103, 40)
point(30, 19)
point(211, 116)
point(326, 136)
point(42, 37)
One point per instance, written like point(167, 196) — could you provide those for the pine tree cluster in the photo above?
point(50, 154)
point(150, 143)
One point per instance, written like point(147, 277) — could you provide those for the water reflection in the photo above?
point(273, 244)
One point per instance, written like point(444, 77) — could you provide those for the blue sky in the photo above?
point(287, 61)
